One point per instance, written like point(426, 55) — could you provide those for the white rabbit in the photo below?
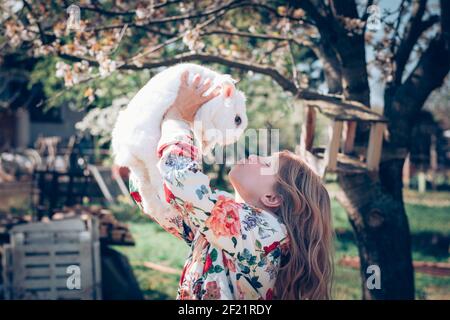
point(138, 127)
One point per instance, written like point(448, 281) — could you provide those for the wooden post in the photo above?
point(422, 181)
point(22, 128)
point(332, 150)
point(350, 134)
point(433, 161)
point(101, 183)
point(308, 128)
point(375, 145)
point(406, 172)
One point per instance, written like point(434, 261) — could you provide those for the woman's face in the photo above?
point(253, 180)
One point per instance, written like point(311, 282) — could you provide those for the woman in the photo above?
point(272, 240)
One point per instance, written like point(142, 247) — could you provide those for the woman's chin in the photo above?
point(233, 176)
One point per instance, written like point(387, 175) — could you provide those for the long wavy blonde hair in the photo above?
point(307, 271)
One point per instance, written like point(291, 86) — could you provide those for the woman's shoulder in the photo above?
point(265, 223)
point(216, 193)
point(252, 218)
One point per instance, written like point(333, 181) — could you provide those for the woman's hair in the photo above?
point(307, 271)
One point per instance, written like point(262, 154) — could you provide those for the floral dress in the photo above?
point(236, 249)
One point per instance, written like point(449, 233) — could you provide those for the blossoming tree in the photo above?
point(412, 54)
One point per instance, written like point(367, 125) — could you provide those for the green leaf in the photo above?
point(218, 269)
point(246, 254)
point(258, 244)
point(262, 263)
point(234, 241)
point(276, 253)
point(245, 269)
point(214, 255)
point(255, 283)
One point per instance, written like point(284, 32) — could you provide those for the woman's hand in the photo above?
point(190, 98)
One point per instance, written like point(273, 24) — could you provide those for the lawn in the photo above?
point(155, 245)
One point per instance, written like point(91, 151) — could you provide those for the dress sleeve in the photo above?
point(237, 228)
point(172, 221)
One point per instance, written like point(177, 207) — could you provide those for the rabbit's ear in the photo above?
point(228, 90)
point(228, 77)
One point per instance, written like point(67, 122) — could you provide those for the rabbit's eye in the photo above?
point(237, 120)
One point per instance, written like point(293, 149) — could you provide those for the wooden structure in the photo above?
point(53, 189)
point(43, 258)
point(336, 156)
point(47, 147)
point(118, 281)
point(112, 231)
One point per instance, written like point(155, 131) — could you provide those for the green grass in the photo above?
point(432, 288)
point(421, 218)
point(428, 219)
point(158, 246)
point(347, 284)
point(155, 245)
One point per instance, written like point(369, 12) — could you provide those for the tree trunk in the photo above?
point(375, 203)
point(382, 233)
point(375, 212)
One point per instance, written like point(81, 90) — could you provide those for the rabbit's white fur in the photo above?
point(137, 130)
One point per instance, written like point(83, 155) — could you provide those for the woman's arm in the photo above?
point(176, 132)
point(237, 228)
point(172, 221)
point(225, 223)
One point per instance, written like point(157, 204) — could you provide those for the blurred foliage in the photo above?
point(105, 90)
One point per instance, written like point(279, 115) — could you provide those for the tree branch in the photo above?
point(346, 8)
point(45, 38)
point(278, 15)
point(401, 10)
point(316, 10)
point(110, 13)
point(257, 36)
point(231, 5)
point(413, 31)
point(429, 73)
point(445, 21)
point(313, 98)
point(366, 14)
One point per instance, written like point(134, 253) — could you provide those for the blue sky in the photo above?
point(377, 86)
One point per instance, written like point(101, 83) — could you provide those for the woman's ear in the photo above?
point(271, 200)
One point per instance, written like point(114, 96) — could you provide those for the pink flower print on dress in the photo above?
point(212, 291)
point(224, 218)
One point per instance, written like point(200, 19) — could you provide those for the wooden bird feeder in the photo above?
point(337, 156)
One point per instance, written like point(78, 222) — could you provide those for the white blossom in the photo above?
point(191, 39)
point(106, 65)
point(99, 122)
